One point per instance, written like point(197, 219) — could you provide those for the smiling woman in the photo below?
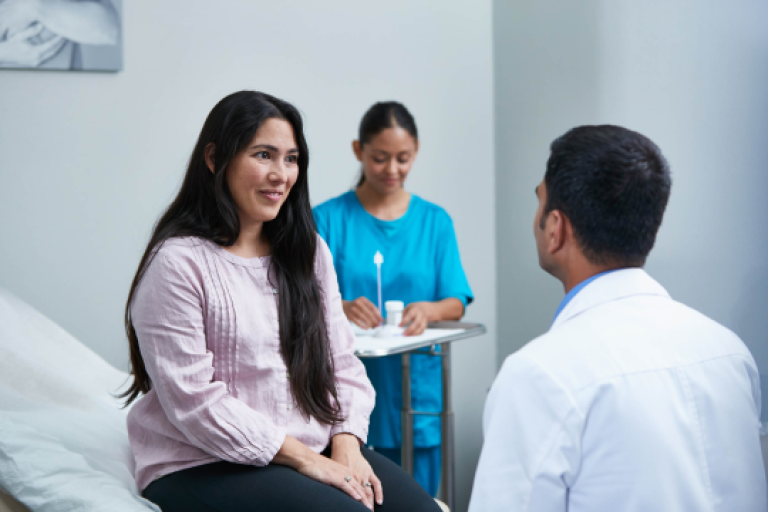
point(239, 342)
point(259, 179)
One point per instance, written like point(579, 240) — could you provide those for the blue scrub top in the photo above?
point(421, 263)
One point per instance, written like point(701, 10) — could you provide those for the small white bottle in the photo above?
point(394, 312)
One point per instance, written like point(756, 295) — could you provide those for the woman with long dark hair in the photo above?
point(253, 398)
point(421, 267)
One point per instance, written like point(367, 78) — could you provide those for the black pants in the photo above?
point(228, 487)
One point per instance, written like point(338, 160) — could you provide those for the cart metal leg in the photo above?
point(407, 413)
point(406, 444)
point(448, 453)
point(448, 479)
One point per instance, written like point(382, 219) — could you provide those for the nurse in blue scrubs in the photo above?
point(421, 267)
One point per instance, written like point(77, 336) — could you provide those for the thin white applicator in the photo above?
point(378, 259)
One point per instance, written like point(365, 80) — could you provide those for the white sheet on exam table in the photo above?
point(63, 438)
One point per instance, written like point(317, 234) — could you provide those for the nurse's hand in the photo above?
point(362, 312)
point(418, 315)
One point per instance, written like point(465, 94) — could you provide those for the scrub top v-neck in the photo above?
point(421, 263)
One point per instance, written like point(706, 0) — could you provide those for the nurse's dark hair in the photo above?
point(383, 115)
point(613, 185)
point(204, 208)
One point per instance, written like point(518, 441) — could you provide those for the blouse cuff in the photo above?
point(269, 448)
point(355, 426)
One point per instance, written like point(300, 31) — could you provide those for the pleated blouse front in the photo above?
point(208, 330)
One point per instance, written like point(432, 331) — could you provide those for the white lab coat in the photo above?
point(632, 402)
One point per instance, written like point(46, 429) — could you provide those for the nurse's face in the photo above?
point(387, 159)
point(261, 176)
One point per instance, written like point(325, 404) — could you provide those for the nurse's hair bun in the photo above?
point(383, 115)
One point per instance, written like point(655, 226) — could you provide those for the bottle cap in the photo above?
point(394, 305)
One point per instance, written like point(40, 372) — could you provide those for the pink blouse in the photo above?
point(208, 331)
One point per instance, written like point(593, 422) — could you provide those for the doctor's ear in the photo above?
point(208, 154)
point(357, 149)
point(556, 227)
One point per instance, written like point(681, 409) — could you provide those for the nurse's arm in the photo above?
point(450, 309)
point(362, 312)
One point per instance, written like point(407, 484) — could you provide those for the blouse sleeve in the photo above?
point(356, 394)
point(451, 281)
point(168, 317)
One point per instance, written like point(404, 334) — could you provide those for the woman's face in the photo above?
point(387, 159)
point(261, 176)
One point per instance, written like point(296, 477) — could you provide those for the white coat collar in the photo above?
point(616, 285)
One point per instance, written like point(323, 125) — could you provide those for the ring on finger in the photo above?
point(367, 484)
point(347, 478)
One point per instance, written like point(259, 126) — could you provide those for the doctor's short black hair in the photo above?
point(613, 185)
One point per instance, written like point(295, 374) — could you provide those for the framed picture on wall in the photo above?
point(68, 35)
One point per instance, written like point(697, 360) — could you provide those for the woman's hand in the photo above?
point(295, 454)
point(362, 312)
point(418, 315)
point(346, 451)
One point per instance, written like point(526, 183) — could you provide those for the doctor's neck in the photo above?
point(575, 267)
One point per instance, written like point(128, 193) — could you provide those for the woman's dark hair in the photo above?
point(383, 115)
point(204, 208)
point(613, 185)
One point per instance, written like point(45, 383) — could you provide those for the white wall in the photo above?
point(691, 75)
point(89, 160)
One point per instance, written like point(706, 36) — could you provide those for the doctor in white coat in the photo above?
point(632, 402)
